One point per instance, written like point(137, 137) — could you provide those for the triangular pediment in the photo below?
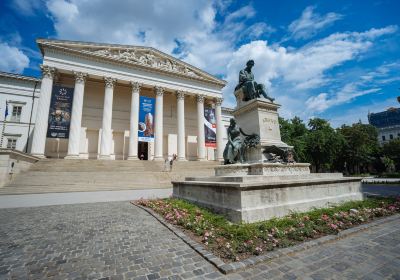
point(142, 57)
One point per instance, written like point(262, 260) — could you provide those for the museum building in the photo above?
point(104, 95)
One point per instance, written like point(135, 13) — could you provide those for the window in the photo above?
point(383, 138)
point(16, 113)
point(391, 136)
point(11, 143)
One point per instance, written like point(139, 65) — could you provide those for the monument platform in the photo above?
point(253, 198)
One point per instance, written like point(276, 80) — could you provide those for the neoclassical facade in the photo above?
point(108, 81)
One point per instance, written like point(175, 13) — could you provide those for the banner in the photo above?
point(210, 127)
point(146, 119)
point(60, 112)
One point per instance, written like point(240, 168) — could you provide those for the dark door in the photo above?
point(142, 150)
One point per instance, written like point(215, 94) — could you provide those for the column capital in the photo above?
point(80, 77)
point(136, 86)
point(200, 98)
point(180, 95)
point(110, 82)
point(159, 90)
point(218, 101)
point(47, 71)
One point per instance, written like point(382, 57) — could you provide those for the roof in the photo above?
point(147, 58)
point(390, 117)
point(19, 77)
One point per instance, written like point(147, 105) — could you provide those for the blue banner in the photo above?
point(60, 112)
point(146, 119)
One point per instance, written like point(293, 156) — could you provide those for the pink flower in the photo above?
point(333, 226)
point(325, 217)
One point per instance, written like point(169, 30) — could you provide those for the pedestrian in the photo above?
point(141, 156)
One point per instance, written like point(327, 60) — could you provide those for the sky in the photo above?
point(336, 60)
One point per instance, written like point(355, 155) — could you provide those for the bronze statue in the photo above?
point(232, 151)
point(235, 148)
point(250, 87)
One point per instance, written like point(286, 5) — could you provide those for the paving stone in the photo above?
point(116, 240)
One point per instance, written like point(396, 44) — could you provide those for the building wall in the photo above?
point(386, 134)
point(18, 92)
point(92, 122)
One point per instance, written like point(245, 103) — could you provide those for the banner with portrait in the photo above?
point(210, 127)
point(60, 112)
point(146, 119)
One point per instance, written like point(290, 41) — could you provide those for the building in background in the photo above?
point(89, 105)
point(18, 103)
point(387, 123)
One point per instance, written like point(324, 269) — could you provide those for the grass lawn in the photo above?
point(233, 242)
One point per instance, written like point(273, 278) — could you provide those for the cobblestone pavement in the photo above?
point(116, 240)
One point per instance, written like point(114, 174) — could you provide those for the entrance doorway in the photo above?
point(143, 148)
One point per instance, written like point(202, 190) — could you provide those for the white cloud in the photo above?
point(349, 92)
point(310, 23)
point(13, 59)
point(188, 29)
point(368, 83)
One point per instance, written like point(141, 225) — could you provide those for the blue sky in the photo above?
point(332, 59)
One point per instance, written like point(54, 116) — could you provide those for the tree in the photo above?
point(361, 146)
point(293, 133)
point(392, 151)
point(322, 144)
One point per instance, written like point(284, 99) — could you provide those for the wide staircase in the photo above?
point(57, 175)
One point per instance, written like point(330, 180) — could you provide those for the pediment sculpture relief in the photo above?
point(146, 58)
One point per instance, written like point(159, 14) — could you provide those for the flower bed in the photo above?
point(233, 242)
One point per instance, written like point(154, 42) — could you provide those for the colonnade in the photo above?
point(40, 131)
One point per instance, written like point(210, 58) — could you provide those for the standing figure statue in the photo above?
point(250, 88)
point(233, 148)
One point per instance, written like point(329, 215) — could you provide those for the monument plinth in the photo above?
point(260, 179)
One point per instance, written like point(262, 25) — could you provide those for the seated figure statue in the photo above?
point(233, 149)
point(251, 89)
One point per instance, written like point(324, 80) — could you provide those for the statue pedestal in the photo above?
point(261, 189)
point(259, 116)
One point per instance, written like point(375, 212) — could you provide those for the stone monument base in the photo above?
point(275, 192)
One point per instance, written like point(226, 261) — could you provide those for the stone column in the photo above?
point(201, 142)
point(134, 122)
point(220, 129)
point(76, 117)
point(42, 115)
point(180, 99)
point(106, 134)
point(158, 129)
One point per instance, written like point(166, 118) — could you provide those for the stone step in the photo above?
point(57, 175)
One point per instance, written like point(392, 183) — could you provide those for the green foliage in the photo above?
point(391, 150)
point(360, 147)
point(323, 144)
point(293, 133)
point(350, 149)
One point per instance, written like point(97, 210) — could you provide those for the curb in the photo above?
point(227, 268)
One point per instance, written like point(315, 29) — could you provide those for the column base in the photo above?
point(72, 157)
point(132, 158)
point(158, 158)
point(105, 157)
point(182, 159)
point(201, 159)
